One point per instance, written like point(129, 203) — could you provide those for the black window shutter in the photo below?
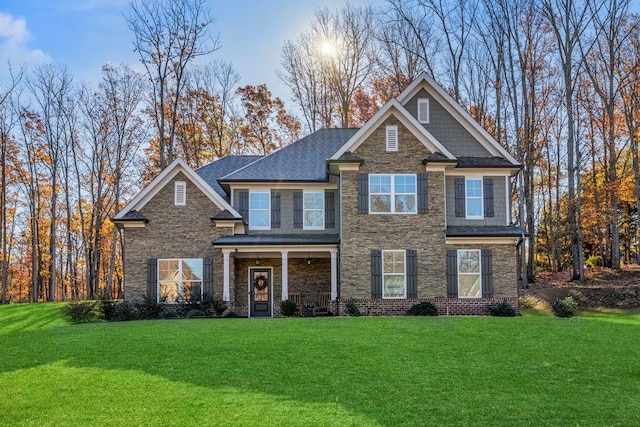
point(297, 209)
point(460, 197)
point(487, 273)
point(376, 273)
point(152, 279)
point(244, 205)
point(452, 273)
point(329, 209)
point(275, 209)
point(412, 274)
point(363, 193)
point(207, 277)
point(488, 197)
point(422, 193)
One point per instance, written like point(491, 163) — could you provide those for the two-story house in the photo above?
point(414, 206)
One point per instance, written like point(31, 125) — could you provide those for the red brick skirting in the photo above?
point(399, 307)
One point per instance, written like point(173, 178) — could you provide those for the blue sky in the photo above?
point(85, 34)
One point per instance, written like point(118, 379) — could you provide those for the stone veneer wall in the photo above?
point(397, 307)
point(172, 232)
point(362, 232)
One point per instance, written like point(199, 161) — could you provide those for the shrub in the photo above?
point(501, 309)
point(80, 311)
point(232, 315)
point(149, 308)
point(423, 309)
point(594, 261)
point(288, 307)
point(566, 307)
point(218, 307)
point(352, 309)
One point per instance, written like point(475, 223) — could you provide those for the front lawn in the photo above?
point(531, 370)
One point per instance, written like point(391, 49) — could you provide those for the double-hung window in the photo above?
point(392, 193)
point(474, 208)
point(313, 210)
point(179, 279)
point(394, 274)
point(469, 274)
point(260, 210)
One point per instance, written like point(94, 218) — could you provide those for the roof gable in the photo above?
point(424, 81)
point(393, 107)
point(163, 179)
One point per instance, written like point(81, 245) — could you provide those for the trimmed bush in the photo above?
point(149, 308)
point(80, 311)
point(218, 307)
point(501, 309)
point(566, 307)
point(288, 307)
point(352, 309)
point(423, 309)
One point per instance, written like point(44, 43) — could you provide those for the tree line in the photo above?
point(556, 82)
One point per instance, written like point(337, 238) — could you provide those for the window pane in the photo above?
point(393, 262)
point(192, 269)
point(192, 290)
point(469, 285)
point(168, 269)
point(313, 218)
point(259, 219)
point(380, 203)
point(469, 261)
point(313, 200)
point(474, 188)
point(169, 292)
point(474, 207)
point(405, 184)
point(406, 203)
point(259, 200)
point(393, 286)
point(380, 184)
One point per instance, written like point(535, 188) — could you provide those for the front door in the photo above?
point(260, 290)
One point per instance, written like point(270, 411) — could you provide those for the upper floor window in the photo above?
point(259, 210)
point(394, 283)
point(423, 110)
point(179, 279)
point(473, 198)
point(180, 193)
point(392, 193)
point(469, 274)
point(392, 138)
point(313, 210)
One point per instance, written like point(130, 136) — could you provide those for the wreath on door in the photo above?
point(260, 283)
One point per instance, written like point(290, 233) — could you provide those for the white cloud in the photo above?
point(13, 42)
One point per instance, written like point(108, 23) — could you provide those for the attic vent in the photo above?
point(392, 138)
point(180, 193)
point(423, 110)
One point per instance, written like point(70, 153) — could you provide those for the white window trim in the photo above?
point(176, 200)
point(466, 198)
point(180, 281)
point(304, 226)
point(392, 128)
point(393, 194)
point(469, 274)
point(404, 275)
point(268, 226)
point(423, 120)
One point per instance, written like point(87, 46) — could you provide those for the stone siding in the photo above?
point(172, 232)
point(446, 306)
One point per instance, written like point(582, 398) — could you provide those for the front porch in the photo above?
point(259, 272)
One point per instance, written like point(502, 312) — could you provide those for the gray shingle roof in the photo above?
point(484, 230)
point(278, 239)
point(221, 167)
point(225, 215)
point(304, 160)
point(133, 215)
point(484, 162)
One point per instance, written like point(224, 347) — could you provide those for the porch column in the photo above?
point(285, 274)
point(225, 276)
point(334, 274)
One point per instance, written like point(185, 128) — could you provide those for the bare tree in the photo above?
point(169, 35)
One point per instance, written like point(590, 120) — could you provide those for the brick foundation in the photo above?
point(399, 307)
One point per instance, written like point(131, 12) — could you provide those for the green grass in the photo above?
point(532, 370)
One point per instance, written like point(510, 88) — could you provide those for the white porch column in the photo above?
point(334, 274)
point(285, 274)
point(225, 276)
